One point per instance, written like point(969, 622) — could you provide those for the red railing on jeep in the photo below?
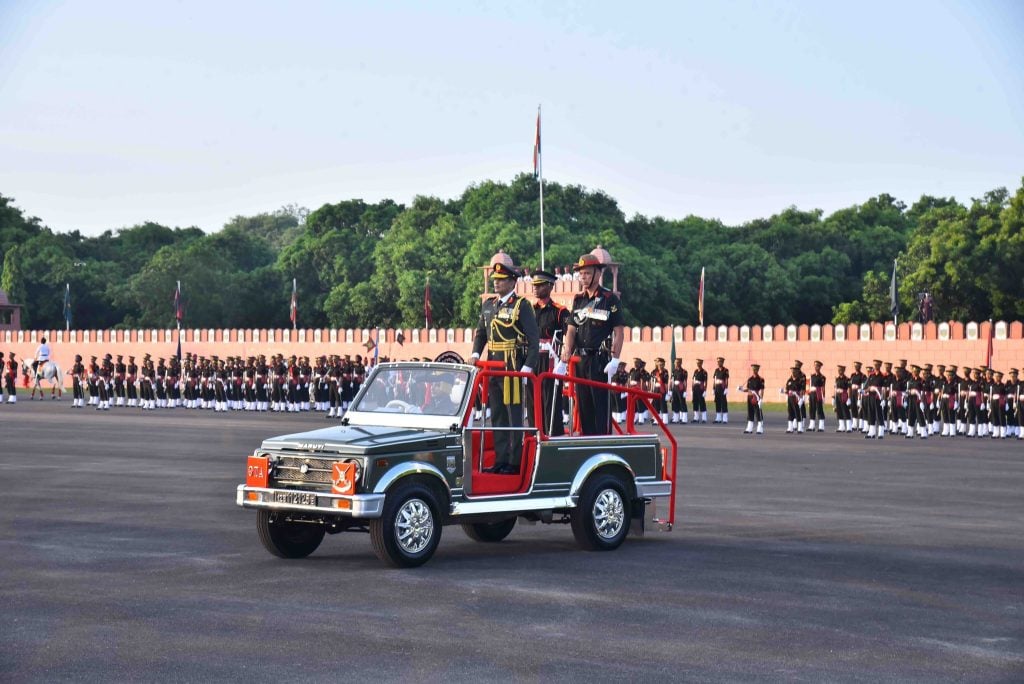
point(669, 461)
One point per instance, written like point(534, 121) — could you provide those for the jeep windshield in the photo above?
point(414, 389)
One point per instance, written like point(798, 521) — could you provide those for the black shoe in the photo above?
point(492, 469)
point(507, 469)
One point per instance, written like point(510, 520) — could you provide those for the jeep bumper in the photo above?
point(347, 505)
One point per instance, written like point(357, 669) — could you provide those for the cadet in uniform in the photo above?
point(844, 416)
point(700, 384)
point(639, 379)
point(552, 321)
point(11, 378)
point(794, 391)
point(618, 401)
point(509, 331)
point(857, 380)
point(873, 395)
point(721, 388)
point(660, 385)
point(816, 395)
point(755, 395)
point(679, 379)
point(596, 334)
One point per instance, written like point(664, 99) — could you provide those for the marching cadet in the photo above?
point(857, 380)
point(639, 379)
point(93, 370)
point(997, 406)
point(947, 400)
point(816, 396)
point(596, 332)
point(1015, 393)
point(721, 387)
point(914, 399)
point(938, 383)
point(755, 395)
point(120, 371)
point(802, 408)
point(11, 378)
point(893, 393)
point(77, 380)
point(131, 378)
point(974, 394)
point(928, 386)
point(700, 383)
point(618, 398)
point(960, 392)
point(873, 395)
point(843, 401)
point(552, 321)
point(794, 391)
point(659, 384)
point(679, 378)
point(509, 331)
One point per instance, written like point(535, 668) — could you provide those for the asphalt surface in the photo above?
point(817, 558)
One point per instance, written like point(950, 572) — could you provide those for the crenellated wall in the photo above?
point(774, 347)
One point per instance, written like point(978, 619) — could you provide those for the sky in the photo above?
point(189, 113)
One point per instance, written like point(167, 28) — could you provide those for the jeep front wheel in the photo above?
point(600, 521)
point(489, 532)
point(409, 529)
point(287, 538)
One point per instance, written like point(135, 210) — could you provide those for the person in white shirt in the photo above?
point(42, 355)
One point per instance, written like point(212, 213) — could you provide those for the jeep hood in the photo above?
point(357, 439)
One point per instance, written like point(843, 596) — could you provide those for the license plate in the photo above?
point(300, 498)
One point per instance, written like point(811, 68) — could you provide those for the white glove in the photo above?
point(956, 406)
point(526, 369)
point(612, 366)
point(800, 402)
point(561, 368)
point(847, 402)
point(473, 357)
point(668, 396)
point(725, 392)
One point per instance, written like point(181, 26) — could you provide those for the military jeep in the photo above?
point(413, 454)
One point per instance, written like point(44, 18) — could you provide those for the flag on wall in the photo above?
point(67, 306)
point(894, 295)
point(427, 313)
point(179, 305)
point(294, 307)
point(700, 298)
point(536, 148)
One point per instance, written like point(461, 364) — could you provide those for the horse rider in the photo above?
point(42, 356)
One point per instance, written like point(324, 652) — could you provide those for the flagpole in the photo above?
point(67, 307)
point(177, 316)
point(540, 176)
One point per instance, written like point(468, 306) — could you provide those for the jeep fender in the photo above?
point(411, 468)
point(596, 462)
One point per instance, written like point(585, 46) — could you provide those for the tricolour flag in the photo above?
point(428, 314)
point(294, 307)
point(700, 298)
point(536, 148)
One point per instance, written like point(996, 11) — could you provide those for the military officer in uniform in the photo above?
point(596, 332)
point(816, 397)
point(679, 379)
point(755, 395)
point(509, 331)
point(552, 320)
point(843, 401)
point(721, 379)
point(660, 385)
point(858, 414)
point(700, 385)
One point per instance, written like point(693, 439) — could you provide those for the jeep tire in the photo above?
point(285, 538)
point(600, 521)
point(489, 532)
point(409, 529)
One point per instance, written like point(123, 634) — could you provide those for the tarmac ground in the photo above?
point(820, 557)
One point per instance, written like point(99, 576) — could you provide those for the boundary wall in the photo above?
point(775, 347)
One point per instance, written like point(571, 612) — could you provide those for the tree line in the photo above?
point(364, 265)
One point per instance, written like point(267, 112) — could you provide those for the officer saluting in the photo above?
point(596, 334)
point(509, 330)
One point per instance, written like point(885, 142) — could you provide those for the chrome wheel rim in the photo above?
point(609, 514)
point(414, 526)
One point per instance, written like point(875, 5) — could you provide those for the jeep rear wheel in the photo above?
point(600, 521)
point(489, 532)
point(287, 538)
point(409, 529)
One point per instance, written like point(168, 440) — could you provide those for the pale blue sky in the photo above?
point(189, 113)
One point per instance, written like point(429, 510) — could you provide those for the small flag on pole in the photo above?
point(179, 305)
point(294, 308)
point(894, 295)
point(67, 306)
point(700, 298)
point(536, 148)
point(427, 313)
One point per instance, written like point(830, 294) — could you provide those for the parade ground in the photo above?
point(821, 557)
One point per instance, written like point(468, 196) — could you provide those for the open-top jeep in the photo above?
point(410, 457)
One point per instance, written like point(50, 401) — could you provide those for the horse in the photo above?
point(48, 371)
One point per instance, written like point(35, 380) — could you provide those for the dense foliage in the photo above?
point(365, 265)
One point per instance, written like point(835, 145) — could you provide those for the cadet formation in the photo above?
point(874, 400)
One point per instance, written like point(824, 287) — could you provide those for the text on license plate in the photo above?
point(301, 498)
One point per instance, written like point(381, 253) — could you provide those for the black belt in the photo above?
point(591, 352)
